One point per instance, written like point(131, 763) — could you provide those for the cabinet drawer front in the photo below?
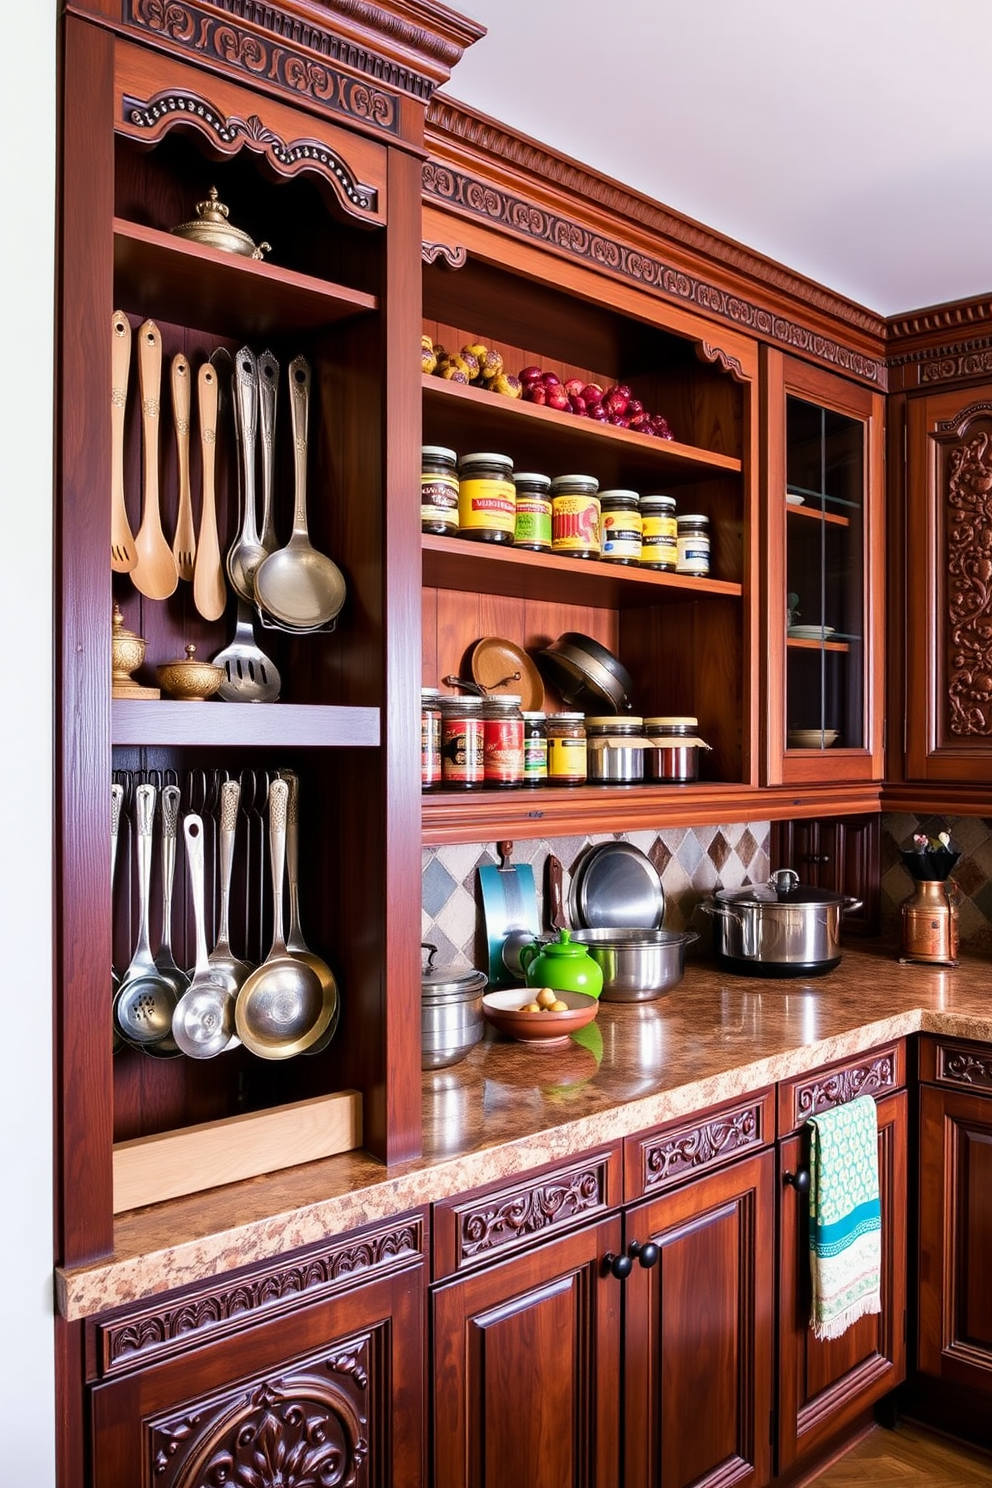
point(499, 1220)
point(876, 1073)
point(167, 1326)
point(950, 1062)
point(670, 1154)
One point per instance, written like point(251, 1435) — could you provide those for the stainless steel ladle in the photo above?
point(146, 999)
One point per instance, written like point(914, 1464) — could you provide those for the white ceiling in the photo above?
point(849, 139)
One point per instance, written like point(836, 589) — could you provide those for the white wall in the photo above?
point(27, 190)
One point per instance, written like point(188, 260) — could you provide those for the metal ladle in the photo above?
point(146, 999)
point(294, 937)
point(222, 959)
point(246, 551)
point(297, 587)
point(167, 1048)
point(281, 1009)
point(203, 1022)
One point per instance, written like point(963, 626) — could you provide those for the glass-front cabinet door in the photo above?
point(825, 591)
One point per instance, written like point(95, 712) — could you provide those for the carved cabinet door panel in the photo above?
point(699, 1332)
point(955, 1295)
point(949, 587)
point(823, 1385)
point(331, 1394)
point(527, 1369)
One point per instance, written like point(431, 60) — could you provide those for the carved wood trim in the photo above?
point(939, 318)
point(459, 122)
point(155, 1332)
point(667, 1159)
point(307, 1425)
point(154, 117)
point(454, 257)
point(513, 213)
point(964, 1067)
point(964, 484)
point(707, 353)
point(876, 1075)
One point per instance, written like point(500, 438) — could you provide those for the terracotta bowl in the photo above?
point(543, 1030)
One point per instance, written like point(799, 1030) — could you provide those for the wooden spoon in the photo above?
point(184, 542)
point(122, 554)
point(209, 591)
point(155, 573)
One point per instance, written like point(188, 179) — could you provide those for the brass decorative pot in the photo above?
point(211, 228)
point(930, 923)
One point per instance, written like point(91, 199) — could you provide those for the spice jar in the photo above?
point(659, 533)
point(503, 744)
point(566, 748)
point(535, 749)
point(694, 545)
point(430, 738)
point(673, 753)
point(620, 526)
point(575, 529)
point(487, 499)
point(438, 491)
point(532, 528)
point(462, 743)
point(616, 750)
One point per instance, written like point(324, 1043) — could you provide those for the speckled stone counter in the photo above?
point(508, 1108)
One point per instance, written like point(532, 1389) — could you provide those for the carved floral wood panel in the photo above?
point(965, 496)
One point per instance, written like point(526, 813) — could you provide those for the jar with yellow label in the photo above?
point(566, 733)
point(438, 491)
point(575, 530)
point(659, 533)
point(487, 498)
point(620, 526)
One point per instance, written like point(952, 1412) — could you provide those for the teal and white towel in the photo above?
point(845, 1217)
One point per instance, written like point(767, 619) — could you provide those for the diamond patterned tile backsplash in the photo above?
point(691, 861)
point(972, 837)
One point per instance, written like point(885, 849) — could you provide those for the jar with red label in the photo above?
point(487, 498)
point(462, 743)
point(430, 738)
point(575, 513)
point(503, 746)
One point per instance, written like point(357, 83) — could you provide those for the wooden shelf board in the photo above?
point(456, 563)
point(815, 514)
point(452, 817)
point(157, 274)
point(795, 643)
point(243, 725)
point(556, 442)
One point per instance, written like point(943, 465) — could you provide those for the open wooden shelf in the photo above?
point(242, 725)
point(456, 563)
point(172, 279)
point(795, 643)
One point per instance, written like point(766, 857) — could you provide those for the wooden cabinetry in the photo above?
point(824, 471)
point(953, 1385)
point(841, 854)
point(825, 1385)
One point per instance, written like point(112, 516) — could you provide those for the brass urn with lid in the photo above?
point(212, 229)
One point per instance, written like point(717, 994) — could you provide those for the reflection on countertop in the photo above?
point(508, 1108)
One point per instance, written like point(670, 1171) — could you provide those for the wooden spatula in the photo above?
point(209, 590)
point(155, 573)
point(122, 554)
point(184, 542)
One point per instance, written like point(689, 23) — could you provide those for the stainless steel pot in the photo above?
point(781, 928)
point(637, 965)
point(451, 1012)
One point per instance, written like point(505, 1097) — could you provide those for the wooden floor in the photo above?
point(908, 1458)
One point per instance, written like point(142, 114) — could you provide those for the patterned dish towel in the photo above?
point(845, 1217)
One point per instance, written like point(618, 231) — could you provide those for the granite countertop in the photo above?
point(507, 1109)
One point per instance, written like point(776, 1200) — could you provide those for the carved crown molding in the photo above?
point(447, 118)
point(512, 213)
point(128, 1342)
point(455, 256)
point(939, 319)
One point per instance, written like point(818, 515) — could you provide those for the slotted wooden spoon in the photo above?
point(155, 573)
point(184, 542)
point(122, 553)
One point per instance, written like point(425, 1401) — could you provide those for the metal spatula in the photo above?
point(250, 676)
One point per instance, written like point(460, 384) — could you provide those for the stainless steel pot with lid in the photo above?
point(451, 1011)
point(782, 928)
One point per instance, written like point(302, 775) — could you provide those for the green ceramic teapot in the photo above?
point(562, 965)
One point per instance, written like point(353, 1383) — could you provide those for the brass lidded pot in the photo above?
point(212, 229)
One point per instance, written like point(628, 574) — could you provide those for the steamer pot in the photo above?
point(781, 928)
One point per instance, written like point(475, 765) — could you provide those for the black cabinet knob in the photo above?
point(619, 1266)
point(645, 1255)
point(798, 1180)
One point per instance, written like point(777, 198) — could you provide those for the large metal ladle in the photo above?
point(203, 1022)
point(294, 936)
point(281, 1009)
point(146, 999)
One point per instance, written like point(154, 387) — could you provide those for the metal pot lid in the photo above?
point(616, 886)
point(782, 888)
point(449, 981)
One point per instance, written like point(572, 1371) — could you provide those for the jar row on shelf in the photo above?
point(474, 743)
point(478, 496)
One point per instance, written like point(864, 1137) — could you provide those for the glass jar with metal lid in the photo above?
point(462, 743)
point(532, 529)
point(616, 746)
point(694, 545)
point(438, 491)
point(566, 748)
point(503, 746)
point(575, 516)
point(659, 533)
point(487, 498)
point(430, 738)
point(535, 748)
point(620, 526)
point(672, 757)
